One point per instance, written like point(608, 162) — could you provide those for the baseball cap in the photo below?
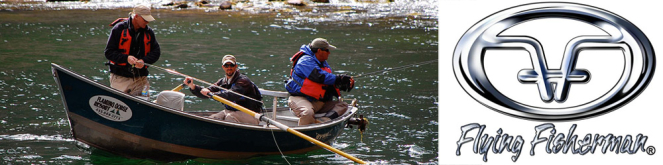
point(321, 43)
point(229, 59)
point(144, 12)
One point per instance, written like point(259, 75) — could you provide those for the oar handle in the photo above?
point(285, 128)
point(178, 88)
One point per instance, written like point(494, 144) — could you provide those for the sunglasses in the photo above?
point(228, 65)
point(323, 49)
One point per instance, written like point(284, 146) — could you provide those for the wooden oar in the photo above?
point(285, 128)
point(178, 88)
point(278, 125)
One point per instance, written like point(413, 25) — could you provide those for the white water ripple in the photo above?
point(29, 137)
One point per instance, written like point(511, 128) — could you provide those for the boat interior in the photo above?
point(284, 115)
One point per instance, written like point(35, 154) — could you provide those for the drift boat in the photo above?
point(110, 120)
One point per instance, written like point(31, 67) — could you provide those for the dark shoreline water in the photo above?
point(401, 105)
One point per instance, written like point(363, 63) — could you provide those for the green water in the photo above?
point(400, 105)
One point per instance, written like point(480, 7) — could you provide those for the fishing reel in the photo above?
point(360, 121)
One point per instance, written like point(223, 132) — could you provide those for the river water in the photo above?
point(401, 105)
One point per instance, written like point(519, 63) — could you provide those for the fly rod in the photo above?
point(394, 69)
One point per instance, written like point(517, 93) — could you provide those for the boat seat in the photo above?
point(171, 99)
point(293, 120)
point(319, 117)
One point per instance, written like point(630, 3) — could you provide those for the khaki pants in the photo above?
point(235, 116)
point(130, 85)
point(305, 109)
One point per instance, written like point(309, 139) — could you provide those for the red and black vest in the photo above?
point(308, 87)
point(125, 42)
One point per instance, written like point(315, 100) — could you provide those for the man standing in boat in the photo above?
point(132, 44)
point(312, 86)
point(237, 83)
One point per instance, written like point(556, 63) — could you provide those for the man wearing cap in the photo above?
point(313, 86)
point(130, 45)
point(238, 84)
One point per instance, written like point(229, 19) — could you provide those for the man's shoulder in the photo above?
point(148, 29)
point(121, 25)
point(307, 59)
point(244, 78)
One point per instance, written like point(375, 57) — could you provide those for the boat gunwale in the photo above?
point(310, 127)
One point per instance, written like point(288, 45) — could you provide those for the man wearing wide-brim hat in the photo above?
point(130, 45)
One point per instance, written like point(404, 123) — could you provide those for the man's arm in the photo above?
point(112, 50)
point(197, 89)
point(243, 86)
point(155, 51)
point(309, 68)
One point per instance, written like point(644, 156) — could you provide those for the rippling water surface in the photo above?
point(401, 105)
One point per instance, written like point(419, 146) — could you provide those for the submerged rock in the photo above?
point(177, 4)
point(375, 1)
point(298, 2)
point(202, 3)
point(183, 6)
point(226, 5)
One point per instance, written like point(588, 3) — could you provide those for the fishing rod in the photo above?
point(394, 69)
point(199, 80)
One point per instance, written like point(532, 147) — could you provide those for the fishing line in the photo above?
point(199, 80)
point(394, 69)
point(277, 146)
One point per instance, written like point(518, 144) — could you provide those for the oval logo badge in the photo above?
point(553, 83)
point(110, 108)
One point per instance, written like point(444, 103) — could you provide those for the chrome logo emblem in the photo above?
point(555, 85)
